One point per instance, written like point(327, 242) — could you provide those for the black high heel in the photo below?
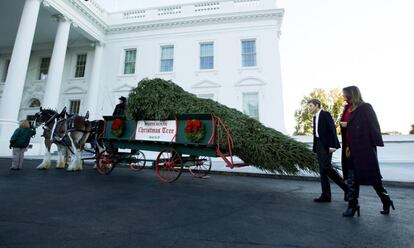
point(350, 211)
point(387, 207)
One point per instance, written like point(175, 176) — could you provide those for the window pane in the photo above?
point(251, 105)
point(206, 55)
point(206, 96)
point(80, 65)
point(129, 63)
point(5, 69)
point(167, 58)
point(44, 68)
point(248, 53)
point(74, 106)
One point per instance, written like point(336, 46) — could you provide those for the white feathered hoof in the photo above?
point(60, 165)
point(44, 165)
point(75, 165)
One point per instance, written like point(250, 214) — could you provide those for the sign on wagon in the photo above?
point(156, 130)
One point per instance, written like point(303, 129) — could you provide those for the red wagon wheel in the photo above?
point(200, 167)
point(104, 163)
point(137, 161)
point(169, 165)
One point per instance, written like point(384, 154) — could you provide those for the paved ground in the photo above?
point(56, 208)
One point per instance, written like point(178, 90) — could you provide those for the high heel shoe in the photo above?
point(387, 207)
point(350, 212)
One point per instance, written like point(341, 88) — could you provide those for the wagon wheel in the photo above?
point(137, 161)
point(105, 162)
point(200, 167)
point(169, 165)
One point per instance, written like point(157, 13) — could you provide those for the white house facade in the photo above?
point(86, 54)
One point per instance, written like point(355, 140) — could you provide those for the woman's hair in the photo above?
point(24, 124)
point(354, 95)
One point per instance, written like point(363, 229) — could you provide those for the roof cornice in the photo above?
point(275, 14)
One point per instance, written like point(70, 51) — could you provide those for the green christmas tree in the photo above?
point(256, 144)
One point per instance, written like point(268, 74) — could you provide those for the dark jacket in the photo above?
point(365, 135)
point(21, 137)
point(120, 109)
point(326, 131)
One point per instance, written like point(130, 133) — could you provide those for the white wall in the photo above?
point(228, 80)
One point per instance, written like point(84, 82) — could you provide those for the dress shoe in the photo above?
point(12, 168)
point(322, 199)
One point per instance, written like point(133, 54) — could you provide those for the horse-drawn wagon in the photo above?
point(187, 142)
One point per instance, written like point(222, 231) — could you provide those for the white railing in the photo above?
point(134, 14)
point(174, 10)
point(189, 10)
point(208, 6)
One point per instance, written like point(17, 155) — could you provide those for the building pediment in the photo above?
point(206, 85)
point(75, 90)
point(250, 82)
point(124, 88)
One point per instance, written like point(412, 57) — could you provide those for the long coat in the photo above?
point(365, 135)
point(120, 109)
point(344, 159)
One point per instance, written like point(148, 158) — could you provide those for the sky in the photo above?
point(336, 43)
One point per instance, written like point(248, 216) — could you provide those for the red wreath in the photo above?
point(117, 128)
point(195, 131)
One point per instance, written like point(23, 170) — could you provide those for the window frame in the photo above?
point(78, 105)
point(243, 65)
point(42, 69)
point(245, 93)
point(211, 56)
point(134, 62)
point(162, 60)
point(80, 74)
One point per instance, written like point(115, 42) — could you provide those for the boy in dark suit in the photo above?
point(325, 142)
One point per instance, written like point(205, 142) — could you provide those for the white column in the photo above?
point(54, 78)
point(16, 76)
point(94, 90)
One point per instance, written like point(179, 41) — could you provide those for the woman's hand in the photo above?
point(343, 123)
point(347, 152)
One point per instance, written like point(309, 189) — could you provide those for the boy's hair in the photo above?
point(315, 102)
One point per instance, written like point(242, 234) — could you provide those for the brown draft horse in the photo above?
point(54, 131)
point(78, 131)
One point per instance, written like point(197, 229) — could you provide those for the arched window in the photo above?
point(34, 103)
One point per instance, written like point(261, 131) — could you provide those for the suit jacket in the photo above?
point(326, 131)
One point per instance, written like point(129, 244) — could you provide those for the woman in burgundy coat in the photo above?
point(363, 135)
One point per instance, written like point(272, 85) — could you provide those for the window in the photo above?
point(206, 96)
point(206, 56)
point(44, 68)
point(248, 53)
point(34, 103)
point(251, 105)
point(5, 69)
point(74, 106)
point(167, 58)
point(80, 66)
point(129, 63)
